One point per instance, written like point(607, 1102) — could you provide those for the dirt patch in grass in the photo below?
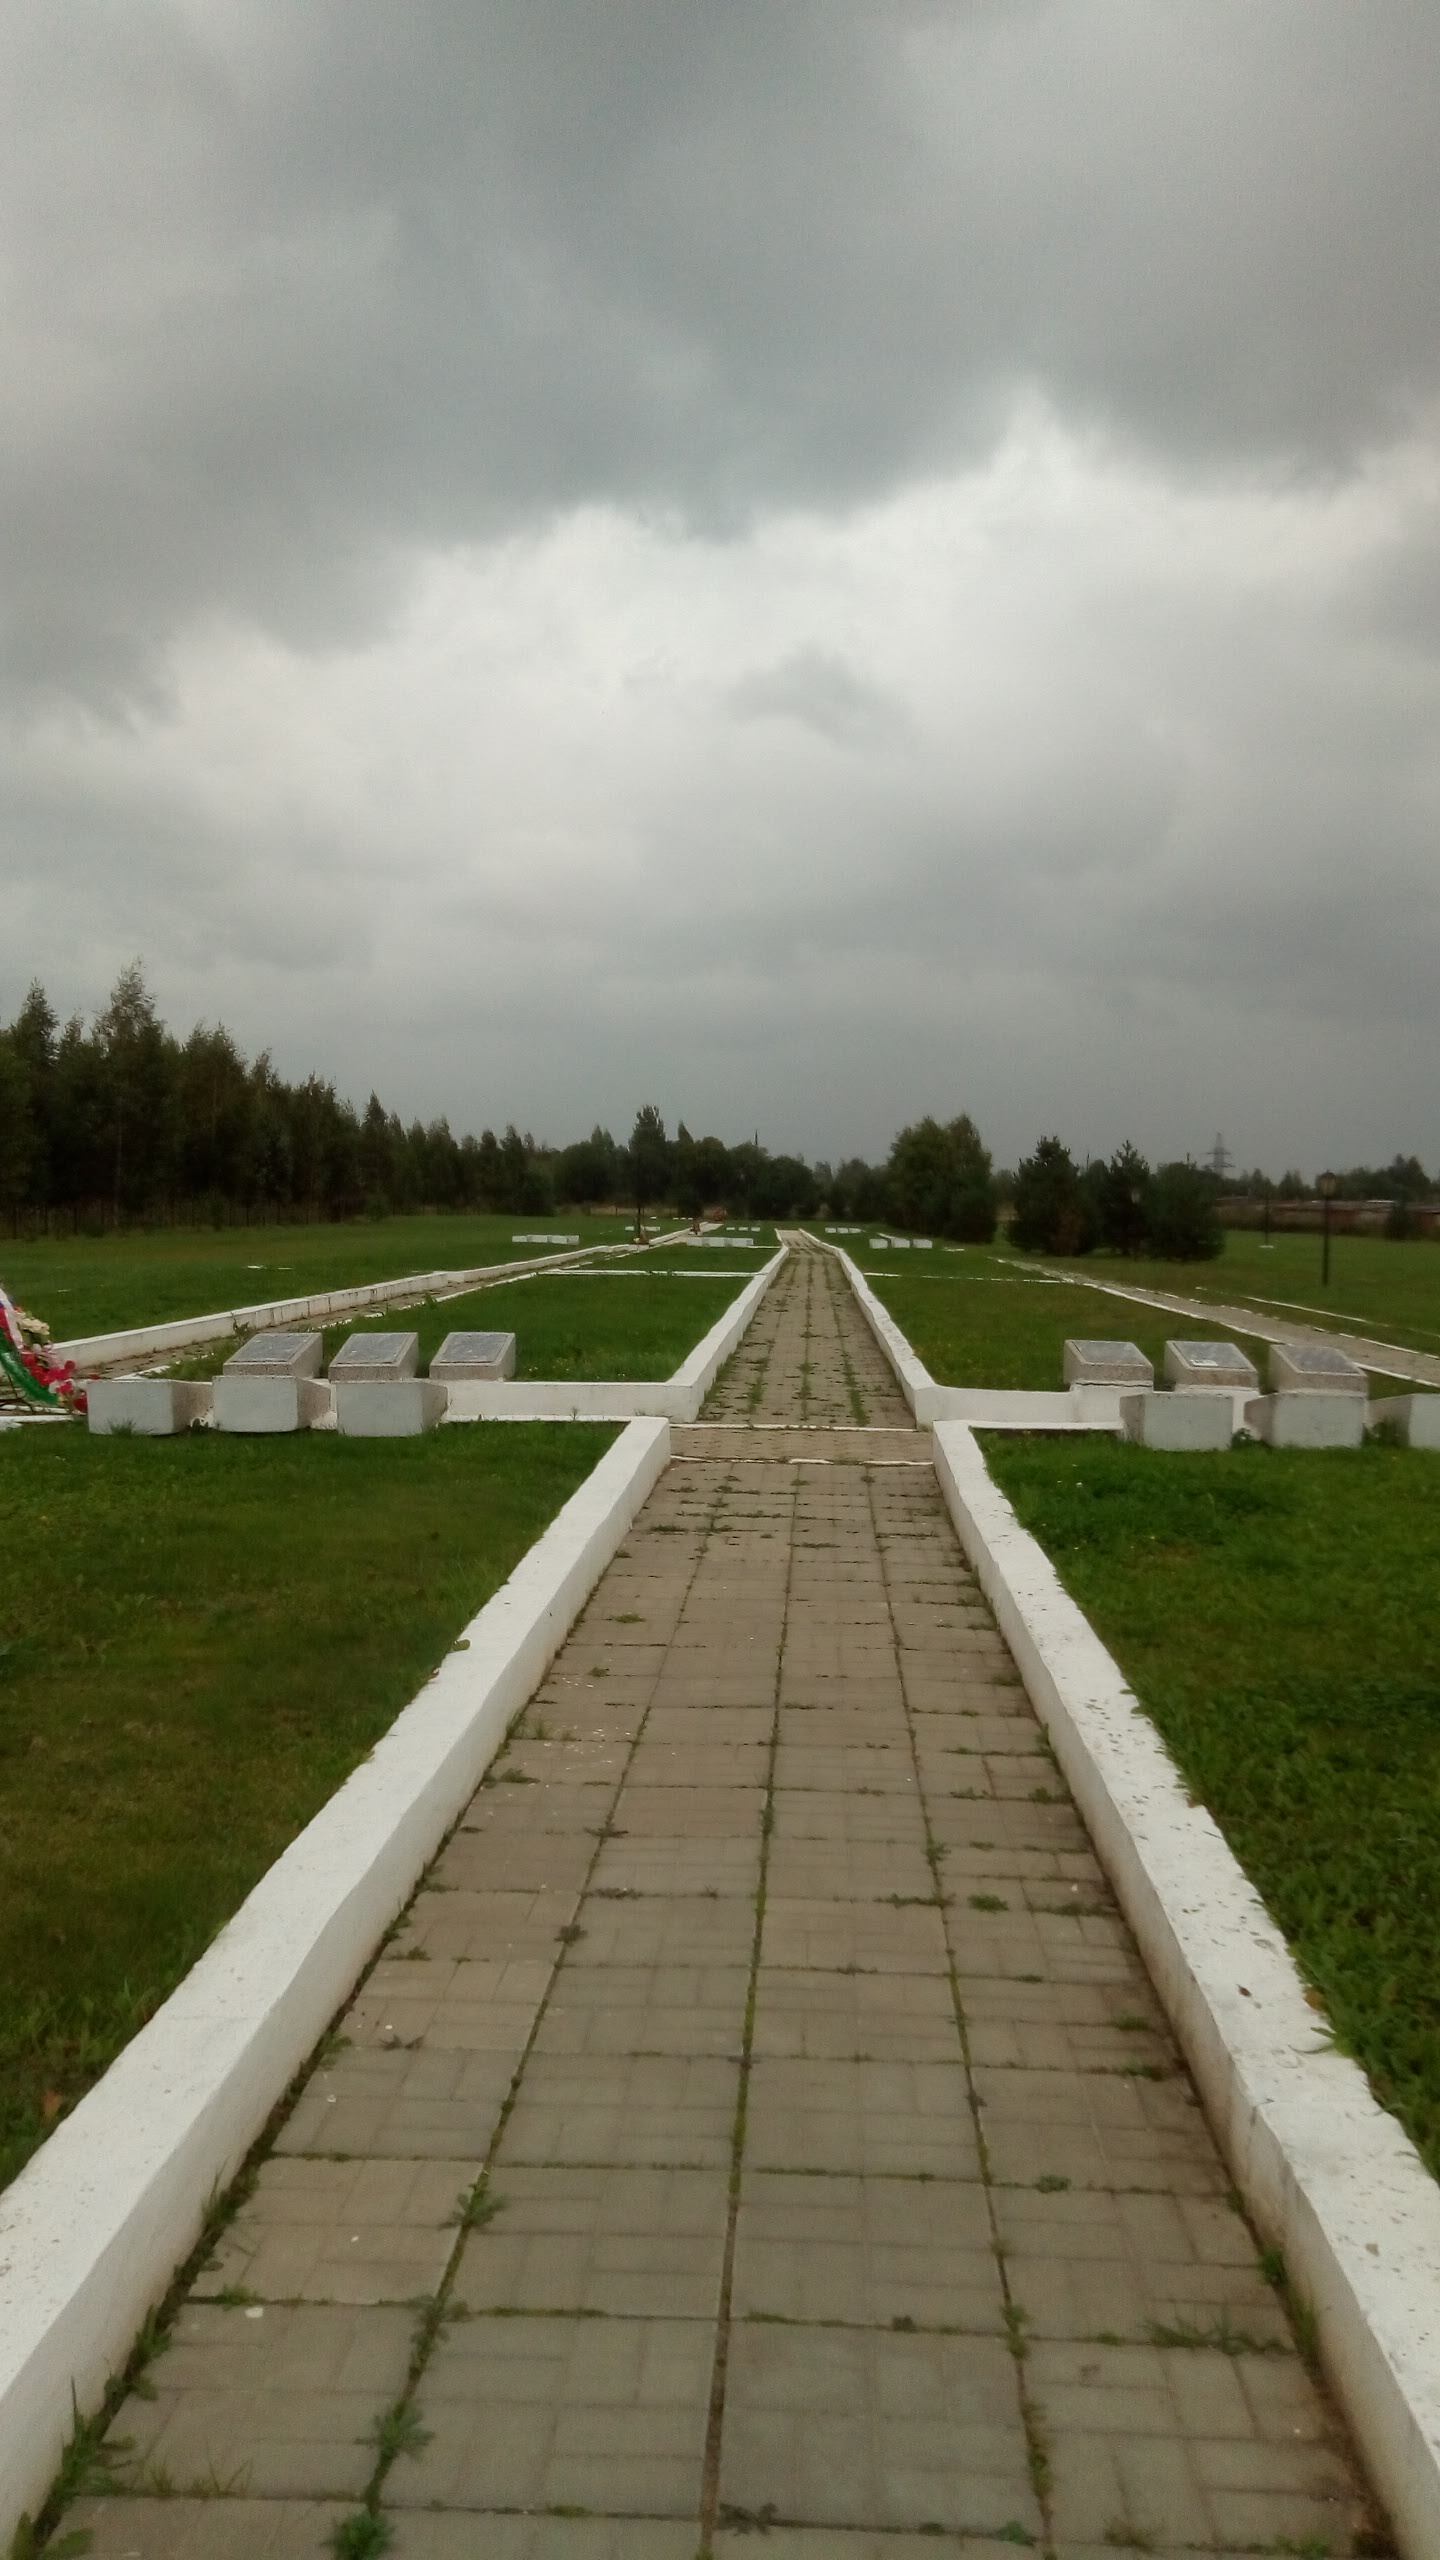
point(1278, 1614)
point(199, 1639)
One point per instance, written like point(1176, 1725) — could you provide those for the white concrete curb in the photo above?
point(678, 1398)
point(93, 2228)
point(145, 1342)
point(1328, 2175)
point(1084, 1408)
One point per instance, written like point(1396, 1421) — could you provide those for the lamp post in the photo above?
point(1327, 1186)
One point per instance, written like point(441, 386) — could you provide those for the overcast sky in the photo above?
point(807, 560)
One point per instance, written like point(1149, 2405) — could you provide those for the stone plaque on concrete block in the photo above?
point(1309, 1418)
point(152, 1408)
point(1178, 1422)
point(383, 1357)
point(259, 1404)
point(1412, 1420)
point(393, 1409)
point(1106, 1364)
point(1301, 1366)
point(475, 1355)
point(1209, 1364)
point(277, 1355)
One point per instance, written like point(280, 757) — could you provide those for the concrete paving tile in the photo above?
point(878, 2119)
point(874, 2251)
point(449, 2007)
point(562, 1764)
point(716, 1813)
point(851, 2017)
point(648, 2243)
point(278, 2403)
point(551, 1861)
point(641, 2009)
point(658, 1928)
point(349, 2231)
point(1105, 2099)
point(830, 2542)
point(864, 2427)
point(817, 1814)
point(209, 2528)
point(642, 2111)
point(874, 1770)
point(839, 1870)
point(487, 1928)
point(1108, 2157)
point(675, 1865)
point(705, 1723)
point(825, 1936)
point(503, 1813)
point(697, 1765)
point(458, 2537)
point(606, 2415)
point(396, 2105)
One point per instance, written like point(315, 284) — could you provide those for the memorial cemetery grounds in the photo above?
point(1276, 1611)
point(200, 1637)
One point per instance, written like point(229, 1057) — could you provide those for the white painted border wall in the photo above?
point(146, 1342)
point(678, 1398)
point(1328, 2175)
point(1004, 1408)
point(94, 2227)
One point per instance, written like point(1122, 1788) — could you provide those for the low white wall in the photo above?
point(1328, 2175)
point(94, 2227)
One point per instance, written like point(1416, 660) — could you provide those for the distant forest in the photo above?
point(118, 1122)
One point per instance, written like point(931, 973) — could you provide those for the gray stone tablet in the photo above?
point(1178, 1422)
point(1210, 1364)
point(1312, 1418)
point(1107, 1364)
point(1314, 1365)
point(475, 1355)
point(377, 1356)
point(277, 1355)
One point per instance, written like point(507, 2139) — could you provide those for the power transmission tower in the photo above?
point(1221, 1160)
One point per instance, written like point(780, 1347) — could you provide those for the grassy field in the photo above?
point(101, 1284)
point(639, 1325)
point(1375, 1287)
point(1278, 1613)
point(975, 1324)
point(199, 1638)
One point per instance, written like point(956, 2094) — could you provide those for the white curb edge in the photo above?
point(1328, 2175)
point(92, 2230)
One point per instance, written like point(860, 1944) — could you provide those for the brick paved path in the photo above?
point(761, 2123)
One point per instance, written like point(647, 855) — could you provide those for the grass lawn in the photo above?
point(975, 1324)
point(1391, 1290)
point(640, 1326)
point(199, 1638)
point(87, 1284)
point(1278, 1614)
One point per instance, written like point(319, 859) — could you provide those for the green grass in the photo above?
point(1375, 1287)
point(975, 1324)
point(199, 1638)
point(640, 1327)
point(86, 1284)
point(1278, 1613)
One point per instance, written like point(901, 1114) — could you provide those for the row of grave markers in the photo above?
point(1318, 1396)
point(273, 1383)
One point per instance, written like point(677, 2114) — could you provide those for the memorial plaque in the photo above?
point(1210, 1364)
point(1316, 1366)
point(1102, 1363)
point(378, 1356)
point(277, 1355)
point(475, 1355)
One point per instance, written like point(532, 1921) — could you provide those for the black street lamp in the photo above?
point(1327, 1186)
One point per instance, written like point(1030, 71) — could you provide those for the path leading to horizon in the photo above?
point(761, 2123)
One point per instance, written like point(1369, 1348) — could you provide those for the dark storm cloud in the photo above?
point(292, 292)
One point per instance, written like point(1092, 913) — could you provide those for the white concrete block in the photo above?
point(277, 1355)
point(260, 1404)
point(1314, 1367)
point(1201, 1367)
point(1091, 1363)
point(388, 1408)
point(1307, 1419)
point(481, 1355)
point(152, 1408)
point(1412, 1420)
point(1190, 1421)
point(381, 1357)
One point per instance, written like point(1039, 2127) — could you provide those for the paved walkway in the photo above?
point(760, 2124)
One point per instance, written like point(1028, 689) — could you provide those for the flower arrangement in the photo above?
point(28, 1366)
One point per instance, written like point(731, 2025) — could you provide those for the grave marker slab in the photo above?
point(475, 1355)
point(262, 1403)
point(277, 1355)
point(1193, 1421)
point(378, 1357)
point(1412, 1420)
point(1206, 1365)
point(1305, 1367)
point(151, 1408)
point(389, 1409)
point(1308, 1418)
point(1101, 1363)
